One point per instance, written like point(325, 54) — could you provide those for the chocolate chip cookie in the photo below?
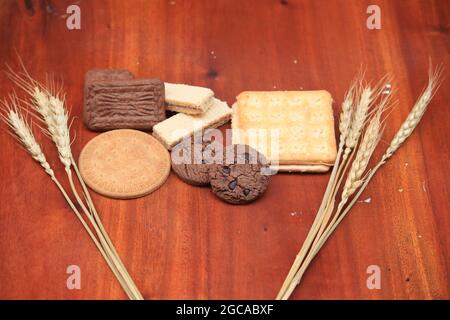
point(193, 157)
point(242, 177)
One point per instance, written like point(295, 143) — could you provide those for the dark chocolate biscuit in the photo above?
point(119, 104)
point(96, 75)
point(192, 157)
point(242, 177)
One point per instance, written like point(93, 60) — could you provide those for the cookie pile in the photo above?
point(271, 131)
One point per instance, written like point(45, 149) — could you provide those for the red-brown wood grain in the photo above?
point(181, 242)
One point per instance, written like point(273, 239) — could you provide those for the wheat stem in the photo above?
point(102, 229)
point(17, 122)
point(110, 253)
point(52, 109)
point(95, 240)
point(356, 182)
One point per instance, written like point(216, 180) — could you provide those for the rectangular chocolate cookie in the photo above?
point(123, 104)
point(95, 75)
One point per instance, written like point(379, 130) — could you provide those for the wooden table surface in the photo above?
point(181, 242)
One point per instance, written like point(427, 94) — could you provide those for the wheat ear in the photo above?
point(365, 150)
point(19, 125)
point(359, 117)
point(417, 112)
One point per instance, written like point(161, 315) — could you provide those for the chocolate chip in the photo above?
point(232, 184)
point(226, 170)
point(246, 192)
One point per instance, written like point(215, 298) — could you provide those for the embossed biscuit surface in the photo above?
point(131, 104)
point(124, 164)
point(303, 121)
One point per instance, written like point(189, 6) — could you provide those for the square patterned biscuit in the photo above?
point(294, 129)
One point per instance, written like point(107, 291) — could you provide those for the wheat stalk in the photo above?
point(357, 180)
point(58, 126)
point(371, 137)
point(21, 129)
point(51, 107)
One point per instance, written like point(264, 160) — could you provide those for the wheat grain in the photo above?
point(359, 117)
point(417, 112)
point(347, 111)
point(52, 110)
point(365, 150)
point(59, 128)
point(15, 119)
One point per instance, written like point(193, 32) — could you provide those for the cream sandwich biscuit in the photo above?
point(188, 99)
point(171, 131)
